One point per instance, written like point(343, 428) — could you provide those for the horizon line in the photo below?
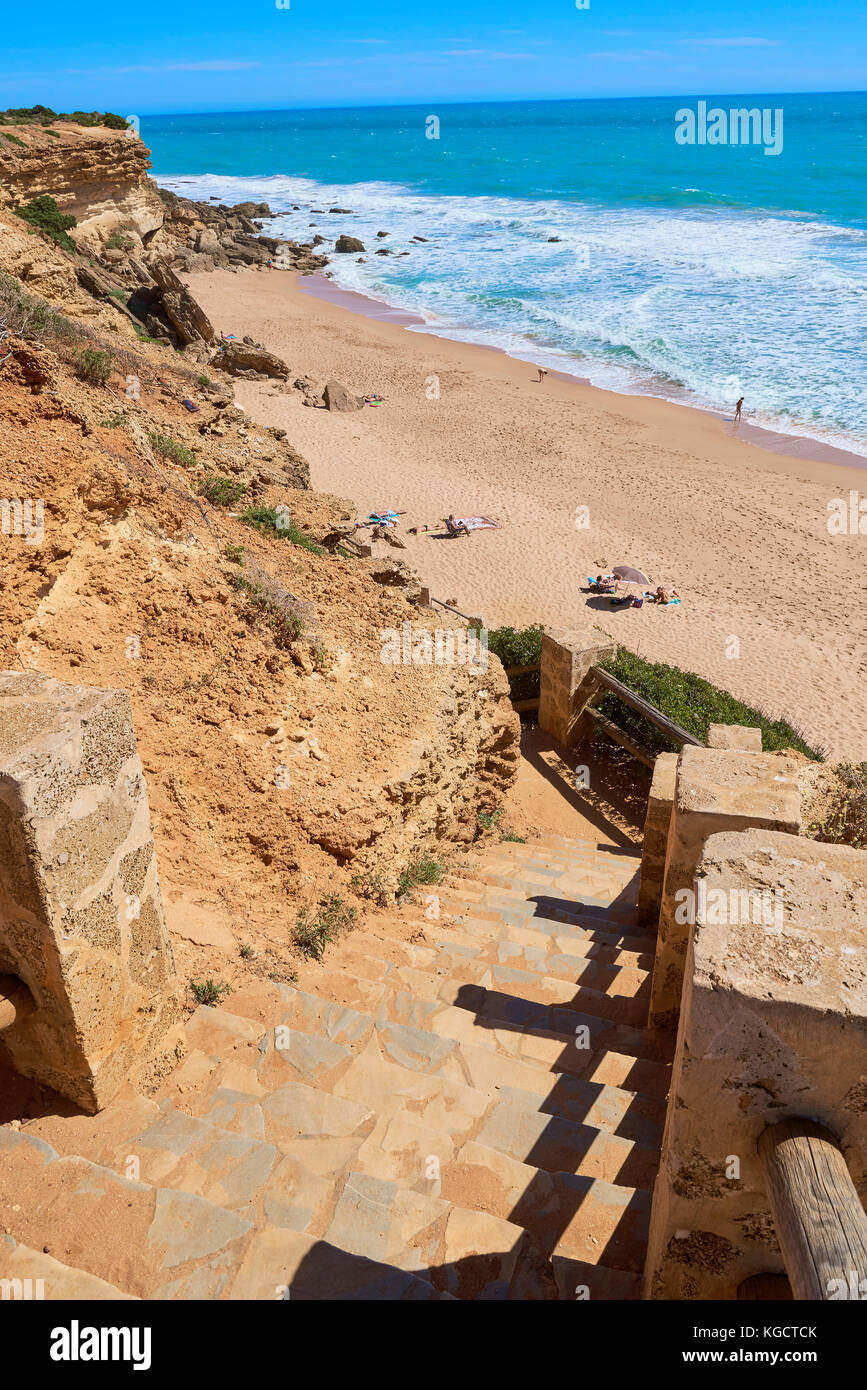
point(498, 101)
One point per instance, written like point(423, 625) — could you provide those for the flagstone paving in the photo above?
point(475, 1114)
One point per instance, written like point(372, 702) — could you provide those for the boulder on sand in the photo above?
point(349, 243)
point(242, 359)
point(336, 397)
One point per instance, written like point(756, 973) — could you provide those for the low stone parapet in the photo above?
point(657, 823)
point(81, 915)
point(717, 790)
point(566, 685)
point(773, 1026)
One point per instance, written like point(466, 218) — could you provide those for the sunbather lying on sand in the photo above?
point(663, 595)
point(463, 525)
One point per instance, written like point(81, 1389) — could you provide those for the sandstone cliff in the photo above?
point(98, 175)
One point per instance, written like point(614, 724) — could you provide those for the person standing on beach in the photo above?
point(543, 372)
point(738, 410)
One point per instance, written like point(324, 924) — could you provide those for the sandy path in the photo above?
point(774, 607)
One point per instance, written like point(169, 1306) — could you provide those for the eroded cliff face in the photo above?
point(43, 269)
point(98, 175)
point(285, 758)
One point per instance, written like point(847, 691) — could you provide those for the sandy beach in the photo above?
point(773, 605)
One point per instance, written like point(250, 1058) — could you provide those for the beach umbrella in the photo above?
point(630, 575)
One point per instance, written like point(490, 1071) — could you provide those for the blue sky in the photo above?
point(171, 56)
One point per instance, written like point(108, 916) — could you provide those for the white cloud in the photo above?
point(484, 53)
point(213, 65)
point(733, 43)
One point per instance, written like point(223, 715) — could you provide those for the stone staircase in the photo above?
point(464, 1104)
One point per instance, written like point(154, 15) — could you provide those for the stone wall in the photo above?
point(717, 790)
point(565, 684)
point(773, 1026)
point(81, 916)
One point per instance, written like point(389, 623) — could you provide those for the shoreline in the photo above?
point(796, 446)
point(772, 605)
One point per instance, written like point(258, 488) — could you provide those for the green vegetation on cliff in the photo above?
point(43, 213)
point(44, 116)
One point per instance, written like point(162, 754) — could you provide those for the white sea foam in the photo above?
point(701, 305)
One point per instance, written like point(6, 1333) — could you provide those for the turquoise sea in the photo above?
point(698, 272)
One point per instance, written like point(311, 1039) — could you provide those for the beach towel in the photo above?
point(477, 523)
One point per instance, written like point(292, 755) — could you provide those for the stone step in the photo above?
point(603, 896)
point(456, 977)
point(581, 1280)
point(37, 1275)
point(551, 916)
point(557, 1145)
point(485, 1074)
point(575, 851)
point(141, 1239)
point(580, 1217)
point(609, 1106)
point(449, 957)
point(468, 931)
point(595, 885)
point(293, 1265)
point(519, 1026)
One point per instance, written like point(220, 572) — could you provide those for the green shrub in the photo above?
point(43, 212)
point(234, 553)
point(490, 820)
point(519, 647)
point(27, 115)
point(273, 523)
point(204, 380)
point(312, 935)
point(94, 365)
point(691, 702)
point(115, 122)
point(275, 606)
point(117, 242)
point(16, 141)
point(209, 991)
point(844, 810)
point(29, 317)
point(419, 871)
point(221, 492)
point(169, 448)
point(372, 886)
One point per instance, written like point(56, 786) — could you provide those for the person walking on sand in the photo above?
point(738, 410)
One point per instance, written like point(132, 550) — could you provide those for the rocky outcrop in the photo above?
point(345, 244)
point(206, 236)
point(336, 397)
point(45, 270)
point(97, 174)
point(251, 360)
point(186, 316)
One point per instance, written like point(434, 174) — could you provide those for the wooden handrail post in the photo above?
point(821, 1224)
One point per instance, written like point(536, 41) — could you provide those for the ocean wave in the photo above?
point(686, 301)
